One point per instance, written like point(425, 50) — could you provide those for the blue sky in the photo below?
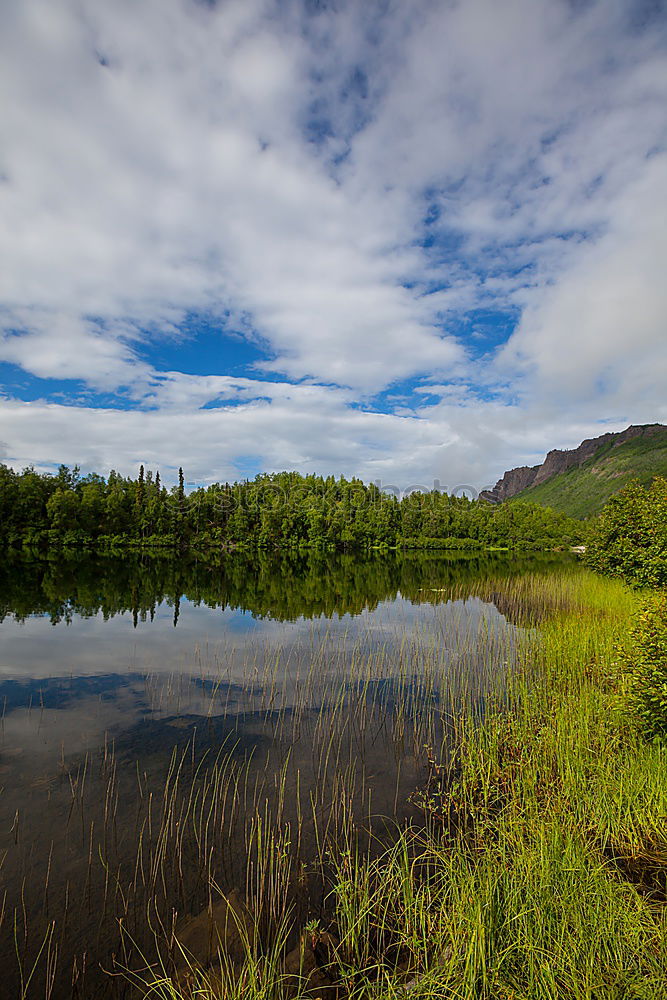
point(407, 241)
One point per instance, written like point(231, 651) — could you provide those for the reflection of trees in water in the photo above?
point(279, 587)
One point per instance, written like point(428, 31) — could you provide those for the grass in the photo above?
point(567, 805)
point(534, 868)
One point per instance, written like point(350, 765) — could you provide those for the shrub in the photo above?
point(629, 538)
point(647, 664)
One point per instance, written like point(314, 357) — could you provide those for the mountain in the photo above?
point(580, 481)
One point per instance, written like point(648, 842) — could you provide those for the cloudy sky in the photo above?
point(402, 239)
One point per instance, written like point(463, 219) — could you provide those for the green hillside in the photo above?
point(582, 491)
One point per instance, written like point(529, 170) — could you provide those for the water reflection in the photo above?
point(262, 584)
point(118, 613)
point(135, 756)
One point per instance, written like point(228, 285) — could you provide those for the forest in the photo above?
point(285, 510)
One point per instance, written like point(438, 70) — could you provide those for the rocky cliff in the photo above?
point(557, 461)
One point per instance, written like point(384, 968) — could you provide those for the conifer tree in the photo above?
point(179, 525)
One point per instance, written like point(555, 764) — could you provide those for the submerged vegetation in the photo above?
point(283, 510)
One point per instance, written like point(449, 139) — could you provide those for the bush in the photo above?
point(629, 538)
point(647, 664)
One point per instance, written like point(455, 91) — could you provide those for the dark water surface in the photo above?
point(157, 715)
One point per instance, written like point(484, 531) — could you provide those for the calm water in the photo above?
point(151, 711)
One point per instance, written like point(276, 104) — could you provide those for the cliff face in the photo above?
point(513, 482)
point(557, 461)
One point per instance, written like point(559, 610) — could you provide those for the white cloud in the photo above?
point(65, 346)
point(142, 189)
point(307, 428)
point(599, 333)
point(159, 158)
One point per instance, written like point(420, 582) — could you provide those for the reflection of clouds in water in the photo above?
point(73, 728)
point(209, 640)
point(97, 677)
point(65, 718)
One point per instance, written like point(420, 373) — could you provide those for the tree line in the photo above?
point(286, 510)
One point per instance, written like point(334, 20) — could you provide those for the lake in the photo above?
point(163, 722)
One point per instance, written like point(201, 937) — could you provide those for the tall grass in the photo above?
point(552, 883)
